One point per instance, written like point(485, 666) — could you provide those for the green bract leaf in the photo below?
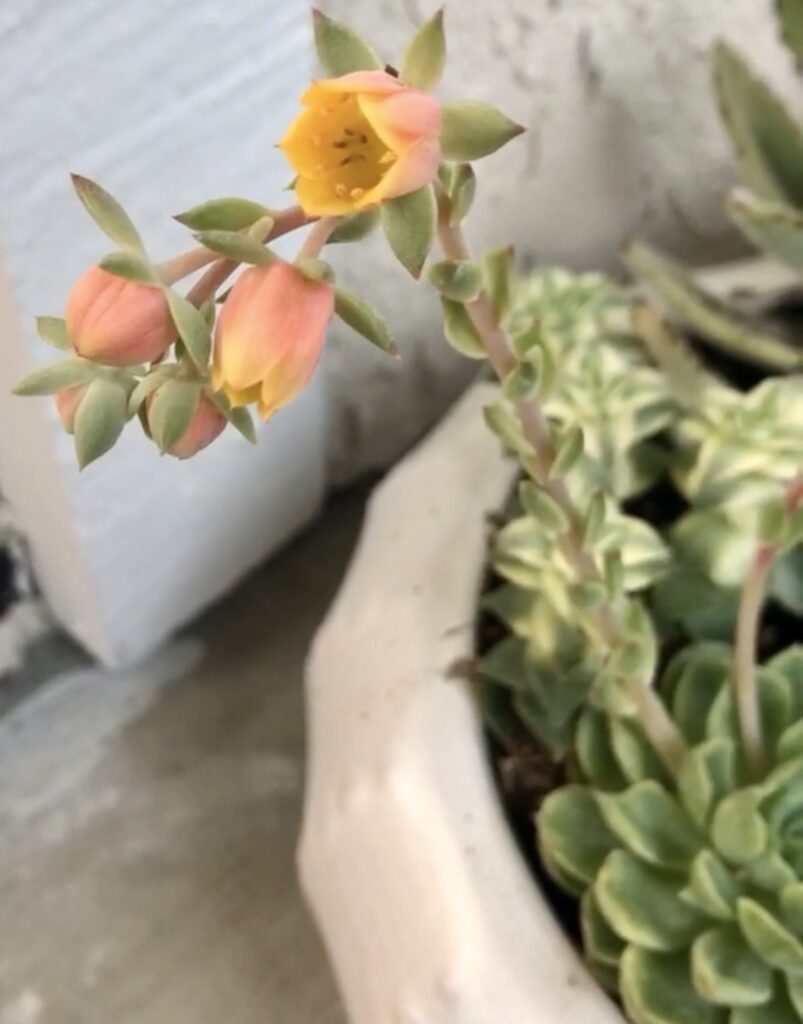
point(767, 139)
point(340, 49)
point(226, 214)
point(409, 226)
point(242, 421)
point(642, 904)
point(354, 228)
point(772, 226)
point(569, 452)
point(192, 328)
point(99, 420)
point(459, 280)
point(107, 213)
point(423, 60)
point(497, 272)
point(131, 266)
point(364, 319)
point(472, 130)
point(171, 411)
point(462, 188)
point(147, 386)
point(53, 330)
point(236, 246)
point(459, 330)
point(68, 373)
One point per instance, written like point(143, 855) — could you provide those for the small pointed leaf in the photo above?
point(225, 214)
point(131, 266)
point(68, 373)
point(656, 989)
point(472, 130)
point(340, 50)
point(171, 411)
point(108, 214)
point(774, 943)
point(425, 56)
point(354, 228)
point(236, 246)
point(53, 330)
point(192, 328)
point(409, 226)
point(459, 330)
point(99, 420)
point(459, 280)
point(242, 421)
point(361, 317)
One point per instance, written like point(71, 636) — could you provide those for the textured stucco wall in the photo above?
point(623, 139)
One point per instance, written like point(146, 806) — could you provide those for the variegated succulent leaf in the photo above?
point(692, 888)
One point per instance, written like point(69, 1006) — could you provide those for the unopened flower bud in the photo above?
point(270, 336)
point(207, 423)
point(118, 322)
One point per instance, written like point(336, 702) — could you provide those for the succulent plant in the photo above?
point(691, 887)
point(768, 142)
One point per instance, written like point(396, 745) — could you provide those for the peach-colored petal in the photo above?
point(355, 81)
point(403, 117)
point(414, 168)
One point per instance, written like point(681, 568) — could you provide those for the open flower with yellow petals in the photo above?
point(362, 139)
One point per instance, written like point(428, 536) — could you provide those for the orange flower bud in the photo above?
point(270, 336)
point(118, 322)
point(362, 139)
point(207, 424)
point(67, 402)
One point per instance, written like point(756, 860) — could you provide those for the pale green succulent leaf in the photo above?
point(108, 214)
point(769, 872)
point(362, 317)
point(635, 757)
point(774, 943)
point(192, 328)
point(131, 266)
point(171, 411)
point(227, 213)
point(779, 1010)
point(790, 18)
point(656, 989)
point(705, 669)
point(424, 58)
point(642, 904)
point(472, 129)
point(572, 831)
point(67, 373)
point(600, 941)
point(340, 50)
point(651, 824)
point(594, 752)
point(773, 227)
point(706, 776)
point(738, 830)
point(99, 420)
point(235, 245)
point(767, 139)
point(504, 663)
point(726, 972)
point(409, 226)
point(53, 330)
point(354, 228)
point(712, 887)
point(459, 330)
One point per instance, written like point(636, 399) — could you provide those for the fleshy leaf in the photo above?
point(425, 56)
point(355, 227)
point(131, 266)
point(571, 829)
point(99, 420)
point(409, 226)
point(472, 130)
point(361, 317)
point(775, 228)
point(171, 411)
point(459, 330)
point(775, 944)
point(738, 830)
point(778, 1011)
point(656, 989)
point(498, 274)
point(790, 17)
point(107, 213)
point(635, 757)
point(593, 749)
point(225, 214)
point(712, 888)
point(242, 421)
point(339, 48)
point(600, 941)
point(462, 189)
point(236, 246)
point(706, 776)
point(651, 824)
point(67, 373)
point(459, 280)
point(726, 972)
point(767, 139)
point(53, 330)
point(642, 904)
point(192, 328)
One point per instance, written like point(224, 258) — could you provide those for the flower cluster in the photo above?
point(370, 145)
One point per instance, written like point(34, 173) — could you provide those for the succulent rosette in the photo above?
point(691, 887)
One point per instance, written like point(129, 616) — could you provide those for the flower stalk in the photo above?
point(662, 731)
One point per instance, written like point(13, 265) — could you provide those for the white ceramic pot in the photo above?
point(429, 913)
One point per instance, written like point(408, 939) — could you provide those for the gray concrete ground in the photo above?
point(148, 818)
